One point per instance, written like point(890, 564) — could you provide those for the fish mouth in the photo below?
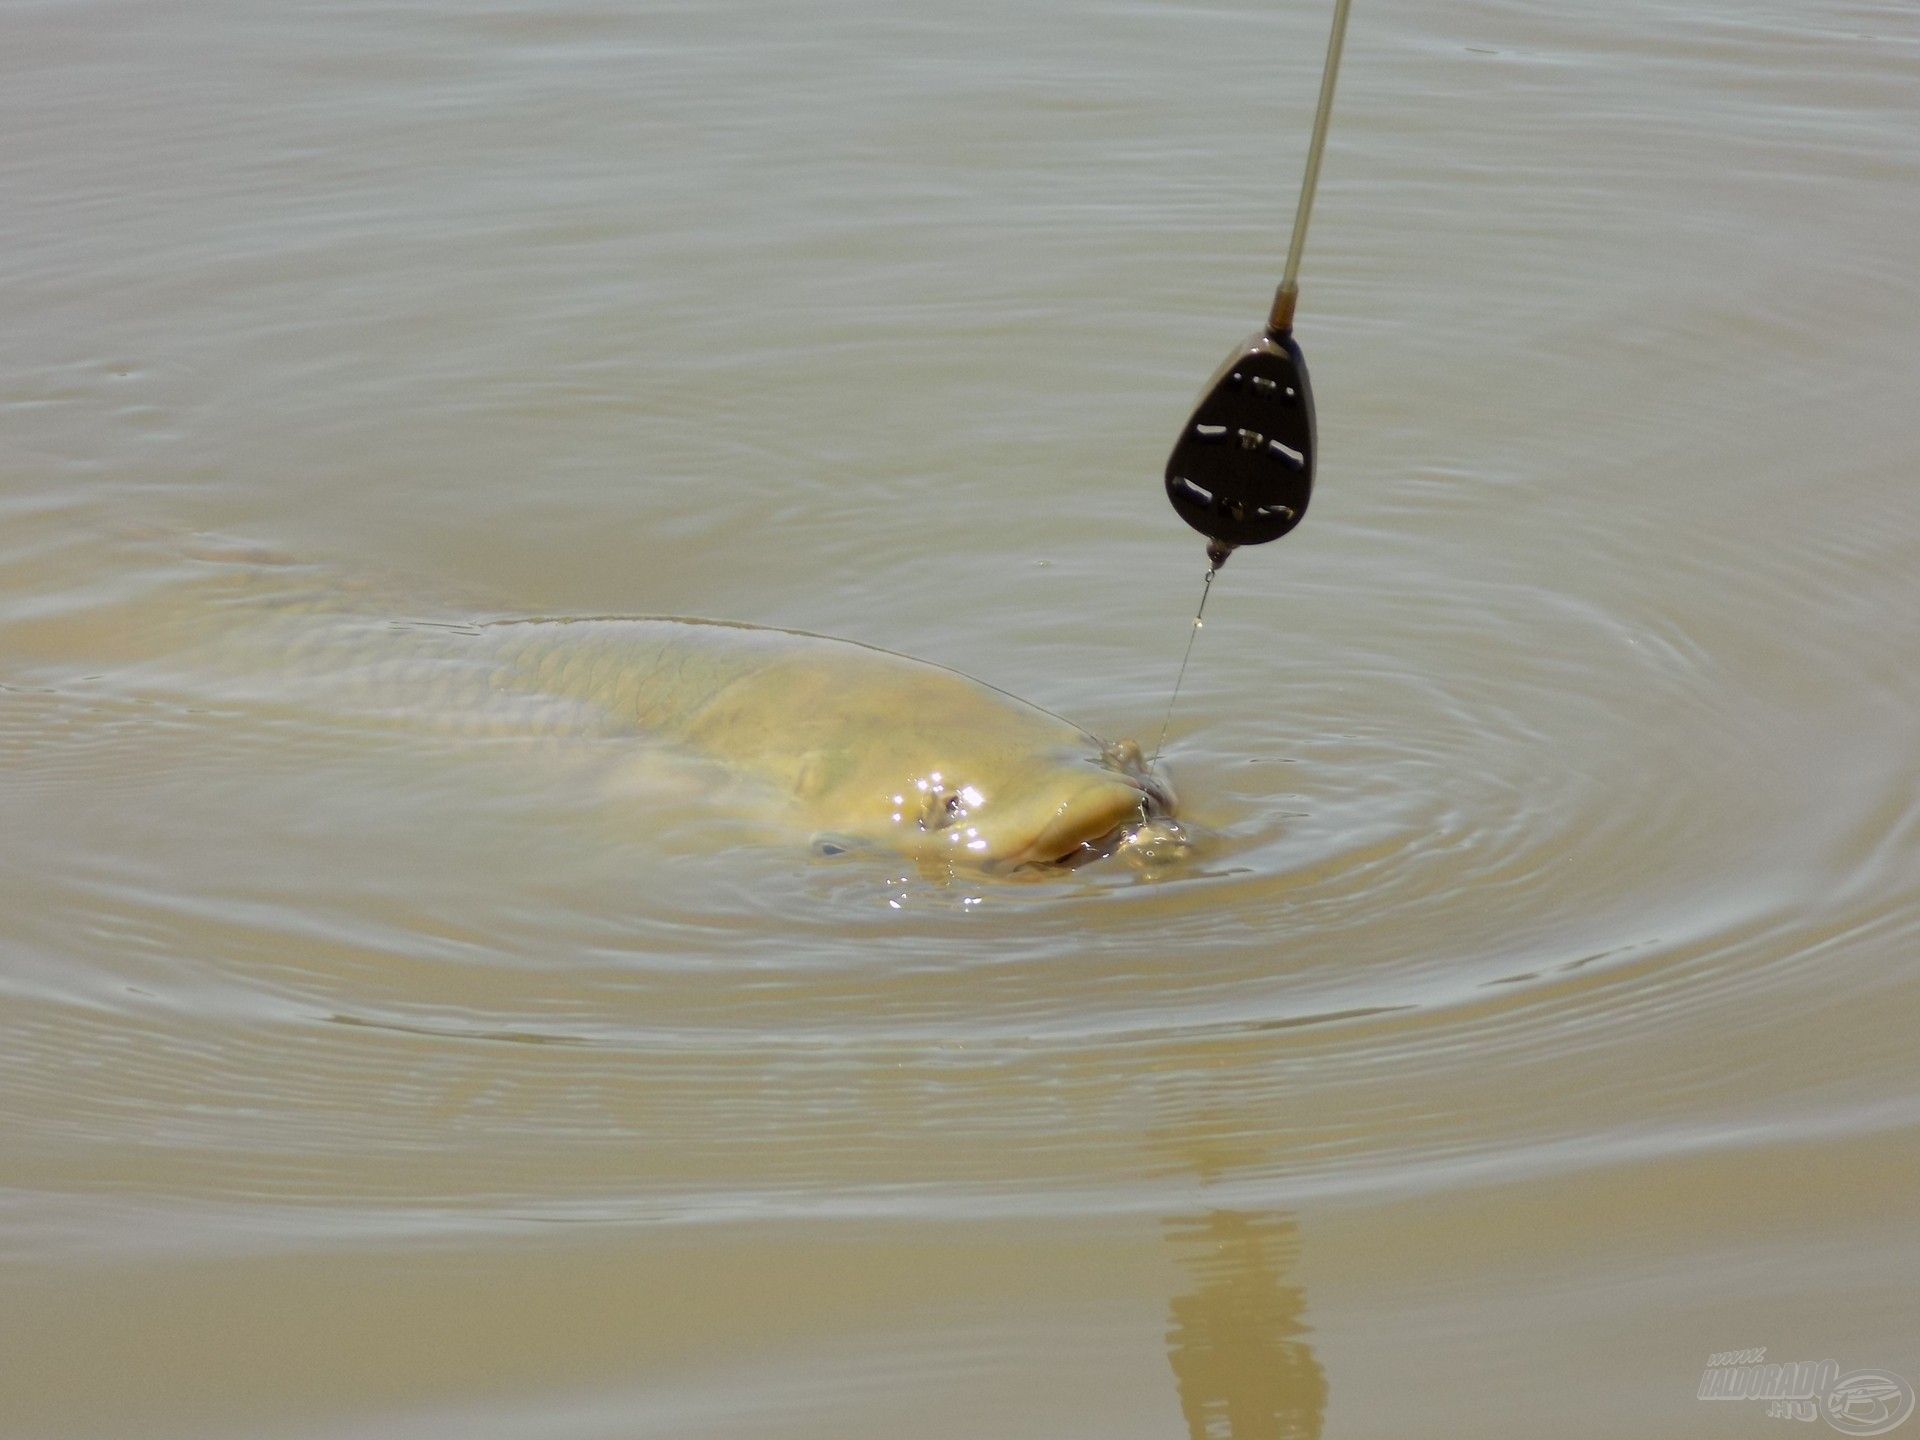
point(1095, 824)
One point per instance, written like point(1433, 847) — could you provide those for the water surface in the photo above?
point(1538, 1018)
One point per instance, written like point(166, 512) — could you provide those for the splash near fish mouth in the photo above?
point(1151, 845)
point(1148, 838)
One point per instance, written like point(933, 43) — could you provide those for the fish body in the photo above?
point(856, 746)
point(864, 746)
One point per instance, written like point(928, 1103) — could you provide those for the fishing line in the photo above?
point(1206, 589)
point(1242, 470)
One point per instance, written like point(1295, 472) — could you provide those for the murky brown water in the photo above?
point(1538, 1018)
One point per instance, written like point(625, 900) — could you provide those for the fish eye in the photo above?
point(943, 807)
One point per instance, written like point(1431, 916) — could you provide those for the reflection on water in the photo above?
point(1235, 1340)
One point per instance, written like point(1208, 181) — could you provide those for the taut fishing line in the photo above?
point(1241, 472)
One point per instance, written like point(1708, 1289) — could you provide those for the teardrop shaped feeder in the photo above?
point(1241, 472)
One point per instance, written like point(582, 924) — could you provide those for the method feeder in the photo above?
point(1241, 472)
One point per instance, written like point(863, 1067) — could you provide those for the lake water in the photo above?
point(1537, 1018)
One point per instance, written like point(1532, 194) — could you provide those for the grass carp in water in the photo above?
point(855, 747)
point(866, 747)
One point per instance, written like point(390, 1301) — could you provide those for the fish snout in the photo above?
point(1124, 758)
point(1097, 815)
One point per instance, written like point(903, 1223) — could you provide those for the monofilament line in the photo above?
point(1206, 589)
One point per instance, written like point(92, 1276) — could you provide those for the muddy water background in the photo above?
point(1541, 1016)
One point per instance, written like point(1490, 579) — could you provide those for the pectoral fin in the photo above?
point(829, 845)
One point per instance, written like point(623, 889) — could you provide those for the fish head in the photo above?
point(1045, 809)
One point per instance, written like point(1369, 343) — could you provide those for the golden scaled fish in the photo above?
point(864, 747)
point(856, 747)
